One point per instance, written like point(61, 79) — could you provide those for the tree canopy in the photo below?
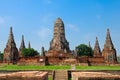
point(29, 52)
point(84, 50)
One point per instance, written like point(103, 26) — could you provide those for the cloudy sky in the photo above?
point(83, 19)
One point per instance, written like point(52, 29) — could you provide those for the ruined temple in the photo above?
point(97, 51)
point(11, 54)
point(59, 44)
point(22, 46)
point(109, 52)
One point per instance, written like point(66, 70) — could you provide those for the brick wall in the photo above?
point(31, 60)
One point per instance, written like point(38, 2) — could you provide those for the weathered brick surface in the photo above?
point(11, 54)
point(27, 75)
point(31, 60)
point(61, 75)
point(97, 51)
point(59, 41)
point(109, 52)
point(94, 76)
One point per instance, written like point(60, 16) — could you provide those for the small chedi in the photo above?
point(58, 45)
point(22, 46)
point(11, 54)
point(29, 45)
point(109, 52)
point(97, 51)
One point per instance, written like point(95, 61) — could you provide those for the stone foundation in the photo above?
point(94, 76)
point(26, 75)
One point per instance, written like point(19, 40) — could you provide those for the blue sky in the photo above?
point(83, 19)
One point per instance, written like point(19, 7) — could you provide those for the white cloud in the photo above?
point(72, 27)
point(2, 21)
point(44, 33)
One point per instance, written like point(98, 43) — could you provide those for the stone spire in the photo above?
point(42, 51)
point(11, 42)
point(89, 45)
point(108, 42)
point(59, 42)
point(97, 51)
point(22, 43)
point(109, 52)
point(22, 46)
point(29, 46)
point(11, 52)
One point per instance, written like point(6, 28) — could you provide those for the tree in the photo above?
point(30, 52)
point(84, 50)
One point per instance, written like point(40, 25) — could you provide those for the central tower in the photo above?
point(59, 42)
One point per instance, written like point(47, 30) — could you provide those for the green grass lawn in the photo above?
point(98, 67)
point(35, 67)
point(32, 67)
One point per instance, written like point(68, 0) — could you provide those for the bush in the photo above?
point(84, 50)
point(30, 52)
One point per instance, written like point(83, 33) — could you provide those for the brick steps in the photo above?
point(61, 75)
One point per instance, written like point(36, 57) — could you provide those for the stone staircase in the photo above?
point(61, 75)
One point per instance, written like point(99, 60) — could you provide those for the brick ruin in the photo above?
point(59, 46)
point(109, 52)
point(59, 51)
point(92, 75)
point(97, 51)
point(11, 54)
point(24, 75)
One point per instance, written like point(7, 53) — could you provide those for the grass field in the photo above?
point(34, 67)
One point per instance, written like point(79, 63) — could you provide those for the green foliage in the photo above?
point(84, 50)
point(1, 56)
point(30, 52)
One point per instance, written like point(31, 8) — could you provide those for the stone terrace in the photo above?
point(94, 76)
point(31, 75)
